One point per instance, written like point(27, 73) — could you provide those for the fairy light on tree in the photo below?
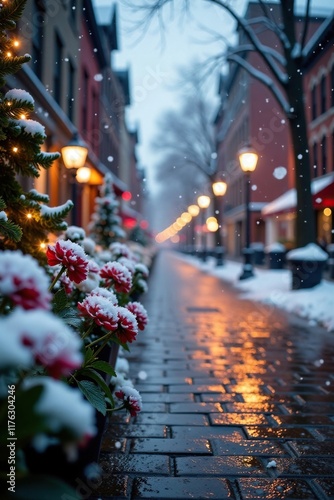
point(29, 219)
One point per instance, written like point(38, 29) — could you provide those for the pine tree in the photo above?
point(105, 226)
point(25, 217)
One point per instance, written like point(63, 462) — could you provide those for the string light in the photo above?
point(29, 216)
point(43, 246)
point(23, 117)
point(9, 54)
point(16, 43)
point(15, 149)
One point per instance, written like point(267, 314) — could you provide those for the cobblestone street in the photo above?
point(237, 403)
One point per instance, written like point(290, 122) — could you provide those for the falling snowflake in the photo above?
point(280, 172)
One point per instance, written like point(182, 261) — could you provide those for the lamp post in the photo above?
point(203, 202)
point(219, 189)
point(248, 160)
point(194, 211)
point(74, 156)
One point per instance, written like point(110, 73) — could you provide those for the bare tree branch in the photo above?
point(265, 79)
point(306, 25)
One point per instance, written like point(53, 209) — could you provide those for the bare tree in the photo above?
point(285, 81)
point(185, 138)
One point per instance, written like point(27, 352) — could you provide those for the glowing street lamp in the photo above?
point(248, 160)
point(74, 153)
point(219, 188)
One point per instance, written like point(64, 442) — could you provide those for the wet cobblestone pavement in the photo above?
point(238, 401)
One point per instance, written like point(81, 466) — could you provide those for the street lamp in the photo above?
point(75, 153)
point(74, 156)
point(248, 160)
point(219, 189)
point(203, 202)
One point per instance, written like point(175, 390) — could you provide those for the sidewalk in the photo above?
point(237, 399)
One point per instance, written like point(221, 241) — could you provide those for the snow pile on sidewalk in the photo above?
point(273, 287)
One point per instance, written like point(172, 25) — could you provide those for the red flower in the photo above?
point(72, 256)
point(101, 310)
point(127, 325)
point(139, 312)
point(131, 399)
point(24, 281)
point(118, 276)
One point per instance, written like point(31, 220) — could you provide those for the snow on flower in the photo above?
point(122, 366)
point(75, 233)
point(107, 294)
point(23, 281)
point(118, 250)
point(117, 275)
point(72, 256)
point(139, 312)
point(88, 244)
point(50, 341)
point(128, 263)
point(131, 399)
point(127, 325)
point(101, 310)
point(93, 279)
point(142, 269)
point(64, 408)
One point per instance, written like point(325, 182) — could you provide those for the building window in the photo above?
point(57, 83)
point(70, 95)
point(324, 155)
point(323, 94)
point(315, 160)
point(314, 102)
point(37, 40)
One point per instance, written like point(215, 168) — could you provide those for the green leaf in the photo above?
point(94, 395)
point(94, 375)
point(71, 317)
point(60, 301)
point(104, 366)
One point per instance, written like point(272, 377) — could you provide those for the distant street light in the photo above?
point(203, 202)
point(248, 160)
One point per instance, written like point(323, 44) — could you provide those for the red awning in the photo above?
point(322, 189)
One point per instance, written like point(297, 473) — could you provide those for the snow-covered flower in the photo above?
point(23, 281)
point(131, 399)
point(107, 294)
point(128, 263)
point(117, 275)
point(64, 409)
point(139, 312)
point(101, 310)
point(142, 270)
point(93, 278)
point(75, 233)
point(70, 255)
point(88, 244)
point(122, 365)
point(47, 339)
point(118, 250)
point(127, 325)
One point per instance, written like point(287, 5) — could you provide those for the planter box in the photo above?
point(307, 265)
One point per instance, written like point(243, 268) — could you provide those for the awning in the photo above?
point(322, 189)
